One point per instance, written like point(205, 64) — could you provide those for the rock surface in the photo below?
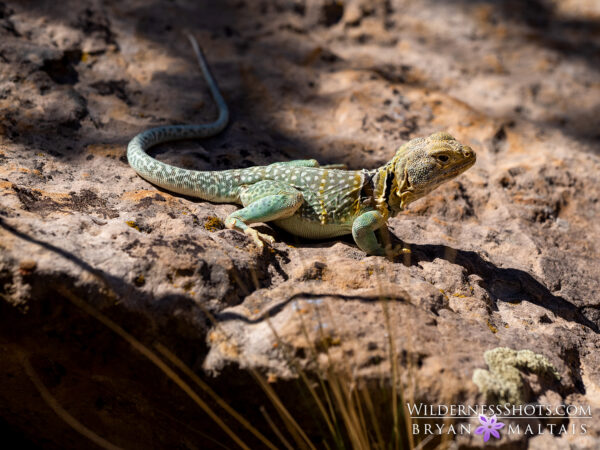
point(507, 255)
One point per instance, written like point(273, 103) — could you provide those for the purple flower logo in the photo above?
point(489, 426)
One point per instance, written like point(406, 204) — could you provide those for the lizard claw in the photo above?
point(258, 237)
point(396, 250)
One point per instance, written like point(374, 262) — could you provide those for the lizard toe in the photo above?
point(395, 250)
point(259, 238)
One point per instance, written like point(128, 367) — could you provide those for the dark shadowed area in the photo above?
point(119, 300)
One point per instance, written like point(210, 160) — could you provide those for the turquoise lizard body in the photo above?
point(300, 196)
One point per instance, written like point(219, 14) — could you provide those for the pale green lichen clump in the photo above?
point(503, 381)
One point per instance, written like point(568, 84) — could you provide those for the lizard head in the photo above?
point(422, 164)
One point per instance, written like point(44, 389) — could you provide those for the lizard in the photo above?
point(300, 196)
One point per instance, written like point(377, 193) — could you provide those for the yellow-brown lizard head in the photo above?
point(422, 164)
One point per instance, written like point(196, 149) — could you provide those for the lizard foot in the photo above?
point(258, 237)
point(391, 251)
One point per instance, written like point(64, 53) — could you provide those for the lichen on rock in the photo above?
point(503, 381)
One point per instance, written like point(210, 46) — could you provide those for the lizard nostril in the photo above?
point(468, 152)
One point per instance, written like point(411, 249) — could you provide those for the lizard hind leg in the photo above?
point(263, 202)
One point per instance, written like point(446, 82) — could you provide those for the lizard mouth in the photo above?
point(460, 168)
point(468, 163)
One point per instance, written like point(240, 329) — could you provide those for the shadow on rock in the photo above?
point(503, 284)
point(113, 290)
point(506, 285)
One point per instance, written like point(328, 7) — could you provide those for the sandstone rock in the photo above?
point(507, 255)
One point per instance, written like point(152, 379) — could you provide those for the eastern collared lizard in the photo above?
point(300, 196)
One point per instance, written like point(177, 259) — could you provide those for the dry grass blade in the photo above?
point(424, 442)
point(60, 411)
point(344, 378)
point(366, 399)
point(328, 417)
point(190, 428)
point(299, 435)
point(295, 430)
point(357, 405)
point(145, 351)
point(394, 367)
point(202, 385)
point(350, 420)
point(275, 428)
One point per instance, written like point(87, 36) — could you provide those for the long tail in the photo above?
point(189, 182)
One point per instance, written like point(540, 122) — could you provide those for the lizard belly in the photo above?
point(306, 228)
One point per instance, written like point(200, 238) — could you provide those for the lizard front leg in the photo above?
point(363, 232)
point(264, 201)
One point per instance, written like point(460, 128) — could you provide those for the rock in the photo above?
point(101, 273)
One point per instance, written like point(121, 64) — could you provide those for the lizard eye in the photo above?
point(443, 158)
